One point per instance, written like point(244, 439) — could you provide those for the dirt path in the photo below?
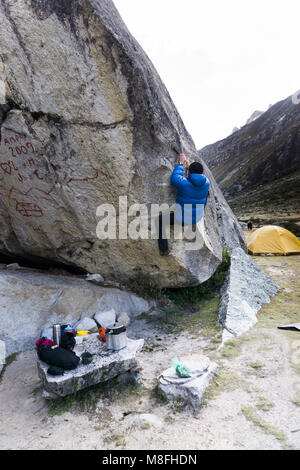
point(254, 403)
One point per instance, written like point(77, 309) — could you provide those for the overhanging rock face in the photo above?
point(84, 120)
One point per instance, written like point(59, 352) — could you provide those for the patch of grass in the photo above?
point(256, 365)
point(296, 400)
point(9, 360)
point(157, 396)
point(204, 318)
point(251, 415)
point(145, 426)
point(169, 419)
point(224, 381)
point(117, 439)
point(178, 405)
point(113, 438)
point(61, 405)
point(98, 428)
point(284, 307)
point(288, 447)
point(231, 349)
point(145, 284)
point(217, 338)
point(187, 296)
point(187, 308)
point(152, 347)
point(264, 404)
point(86, 400)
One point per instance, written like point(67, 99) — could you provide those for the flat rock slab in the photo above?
point(246, 288)
point(105, 365)
point(189, 391)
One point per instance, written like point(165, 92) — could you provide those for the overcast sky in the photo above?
point(220, 59)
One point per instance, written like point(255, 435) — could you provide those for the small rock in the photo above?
point(105, 318)
point(49, 395)
point(86, 323)
point(124, 319)
point(146, 419)
point(13, 266)
point(95, 278)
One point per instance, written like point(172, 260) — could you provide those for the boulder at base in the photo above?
point(84, 120)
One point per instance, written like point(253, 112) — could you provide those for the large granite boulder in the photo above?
point(84, 120)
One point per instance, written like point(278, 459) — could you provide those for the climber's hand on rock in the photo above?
point(182, 159)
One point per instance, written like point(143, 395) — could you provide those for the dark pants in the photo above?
point(162, 241)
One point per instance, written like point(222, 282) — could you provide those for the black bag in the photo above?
point(59, 357)
point(67, 339)
point(53, 370)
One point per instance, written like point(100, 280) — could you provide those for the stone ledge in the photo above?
point(106, 365)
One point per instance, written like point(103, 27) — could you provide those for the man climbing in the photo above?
point(191, 198)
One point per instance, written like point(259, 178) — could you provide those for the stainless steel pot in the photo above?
point(116, 338)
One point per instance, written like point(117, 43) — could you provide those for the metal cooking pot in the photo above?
point(116, 338)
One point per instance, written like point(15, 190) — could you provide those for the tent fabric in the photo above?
point(273, 239)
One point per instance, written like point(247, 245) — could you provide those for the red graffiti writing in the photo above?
point(85, 180)
point(22, 165)
point(22, 150)
point(7, 167)
point(14, 194)
point(14, 139)
point(31, 162)
point(29, 209)
point(36, 228)
point(36, 173)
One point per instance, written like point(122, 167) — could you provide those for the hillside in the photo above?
point(257, 167)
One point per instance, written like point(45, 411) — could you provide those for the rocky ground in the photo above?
point(253, 403)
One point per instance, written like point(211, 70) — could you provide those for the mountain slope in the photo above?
point(262, 152)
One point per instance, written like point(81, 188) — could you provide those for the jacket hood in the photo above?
point(197, 179)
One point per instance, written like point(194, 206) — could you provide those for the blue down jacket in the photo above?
point(192, 191)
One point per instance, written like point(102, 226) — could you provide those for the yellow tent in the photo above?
point(273, 239)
